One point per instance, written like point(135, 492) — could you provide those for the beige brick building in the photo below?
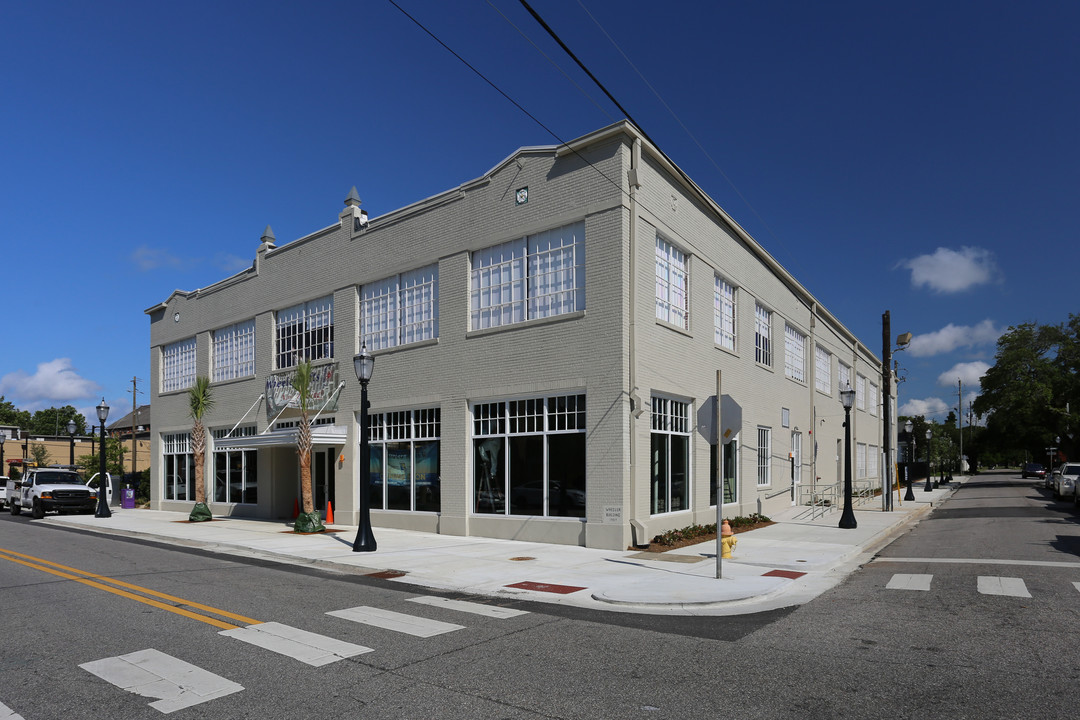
point(549, 341)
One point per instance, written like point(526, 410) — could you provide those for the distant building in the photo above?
point(551, 340)
point(121, 429)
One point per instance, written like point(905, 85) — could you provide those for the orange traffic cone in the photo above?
point(295, 508)
point(329, 513)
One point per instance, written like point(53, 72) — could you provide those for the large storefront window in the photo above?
point(179, 467)
point(405, 472)
point(304, 332)
point(235, 479)
point(670, 456)
point(729, 469)
point(529, 457)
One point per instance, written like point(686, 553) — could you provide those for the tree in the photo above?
point(200, 402)
point(11, 415)
point(1018, 390)
point(308, 520)
point(114, 459)
point(53, 421)
point(40, 453)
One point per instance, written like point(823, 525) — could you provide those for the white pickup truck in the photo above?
point(40, 490)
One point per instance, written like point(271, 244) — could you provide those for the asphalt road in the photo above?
point(872, 647)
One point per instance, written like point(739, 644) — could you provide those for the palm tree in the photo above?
point(308, 520)
point(200, 401)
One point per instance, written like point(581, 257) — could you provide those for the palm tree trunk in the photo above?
point(198, 449)
point(303, 445)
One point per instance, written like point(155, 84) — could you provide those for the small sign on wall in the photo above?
point(613, 514)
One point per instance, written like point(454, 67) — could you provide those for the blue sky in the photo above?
point(920, 158)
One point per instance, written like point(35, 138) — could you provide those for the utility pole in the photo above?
point(886, 401)
point(960, 418)
point(134, 424)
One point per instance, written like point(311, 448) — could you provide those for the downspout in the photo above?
point(636, 408)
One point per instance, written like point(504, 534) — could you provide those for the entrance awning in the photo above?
point(320, 435)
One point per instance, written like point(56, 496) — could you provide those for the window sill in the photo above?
point(407, 346)
point(524, 324)
point(676, 328)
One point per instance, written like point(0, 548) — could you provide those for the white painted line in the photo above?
point(7, 713)
point(1013, 587)
point(909, 582)
point(398, 622)
point(301, 645)
point(1076, 585)
point(491, 611)
point(978, 561)
point(152, 673)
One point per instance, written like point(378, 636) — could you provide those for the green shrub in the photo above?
point(690, 532)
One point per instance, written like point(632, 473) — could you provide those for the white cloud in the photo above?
point(231, 263)
point(927, 407)
point(950, 271)
point(147, 258)
point(951, 337)
point(54, 383)
point(970, 373)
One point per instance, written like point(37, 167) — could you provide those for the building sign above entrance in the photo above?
point(280, 393)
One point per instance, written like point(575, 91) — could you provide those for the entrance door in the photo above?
point(322, 478)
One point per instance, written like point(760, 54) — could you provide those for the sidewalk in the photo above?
point(788, 563)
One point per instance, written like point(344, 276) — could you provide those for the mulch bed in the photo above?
point(658, 548)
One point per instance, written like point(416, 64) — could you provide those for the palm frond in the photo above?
point(200, 398)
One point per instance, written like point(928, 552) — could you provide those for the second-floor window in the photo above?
point(671, 284)
point(400, 309)
point(724, 314)
point(762, 335)
point(822, 370)
point(305, 332)
point(538, 276)
point(794, 354)
point(234, 351)
point(178, 365)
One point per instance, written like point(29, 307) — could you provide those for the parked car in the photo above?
point(1066, 478)
point(1032, 470)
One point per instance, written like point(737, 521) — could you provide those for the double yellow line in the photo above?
point(178, 606)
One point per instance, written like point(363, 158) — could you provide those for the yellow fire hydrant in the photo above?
point(727, 540)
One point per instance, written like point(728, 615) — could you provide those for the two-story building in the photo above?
point(577, 347)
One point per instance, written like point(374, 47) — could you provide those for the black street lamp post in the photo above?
point(909, 427)
point(3, 439)
point(71, 432)
point(93, 439)
point(847, 518)
point(929, 487)
point(103, 510)
point(364, 364)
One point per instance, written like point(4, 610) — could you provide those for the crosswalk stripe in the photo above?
point(7, 713)
point(398, 622)
point(993, 585)
point(152, 673)
point(307, 647)
point(491, 611)
point(901, 581)
point(1076, 585)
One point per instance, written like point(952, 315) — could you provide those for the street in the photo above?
point(969, 614)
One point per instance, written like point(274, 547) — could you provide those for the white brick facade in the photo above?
point(615, 351)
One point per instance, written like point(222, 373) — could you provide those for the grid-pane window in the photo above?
point(179, 466)
point(860, 461)
point(405, 460)
point(724, 314)
point(539, 276)
point(872, 398)
point(305, 332)
point(401, 309)
point(670, 460)
point(529, 456)
point(557, 271)
point(235, 469)
point(178, 365)
point(822, 370)
point(234, 351)
point(764, 453)
point(794, 354)
point(762, 335)
point(671, 284)
point(860, 392)
point(726, 454)
point(843, 376)
point(872, 461)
